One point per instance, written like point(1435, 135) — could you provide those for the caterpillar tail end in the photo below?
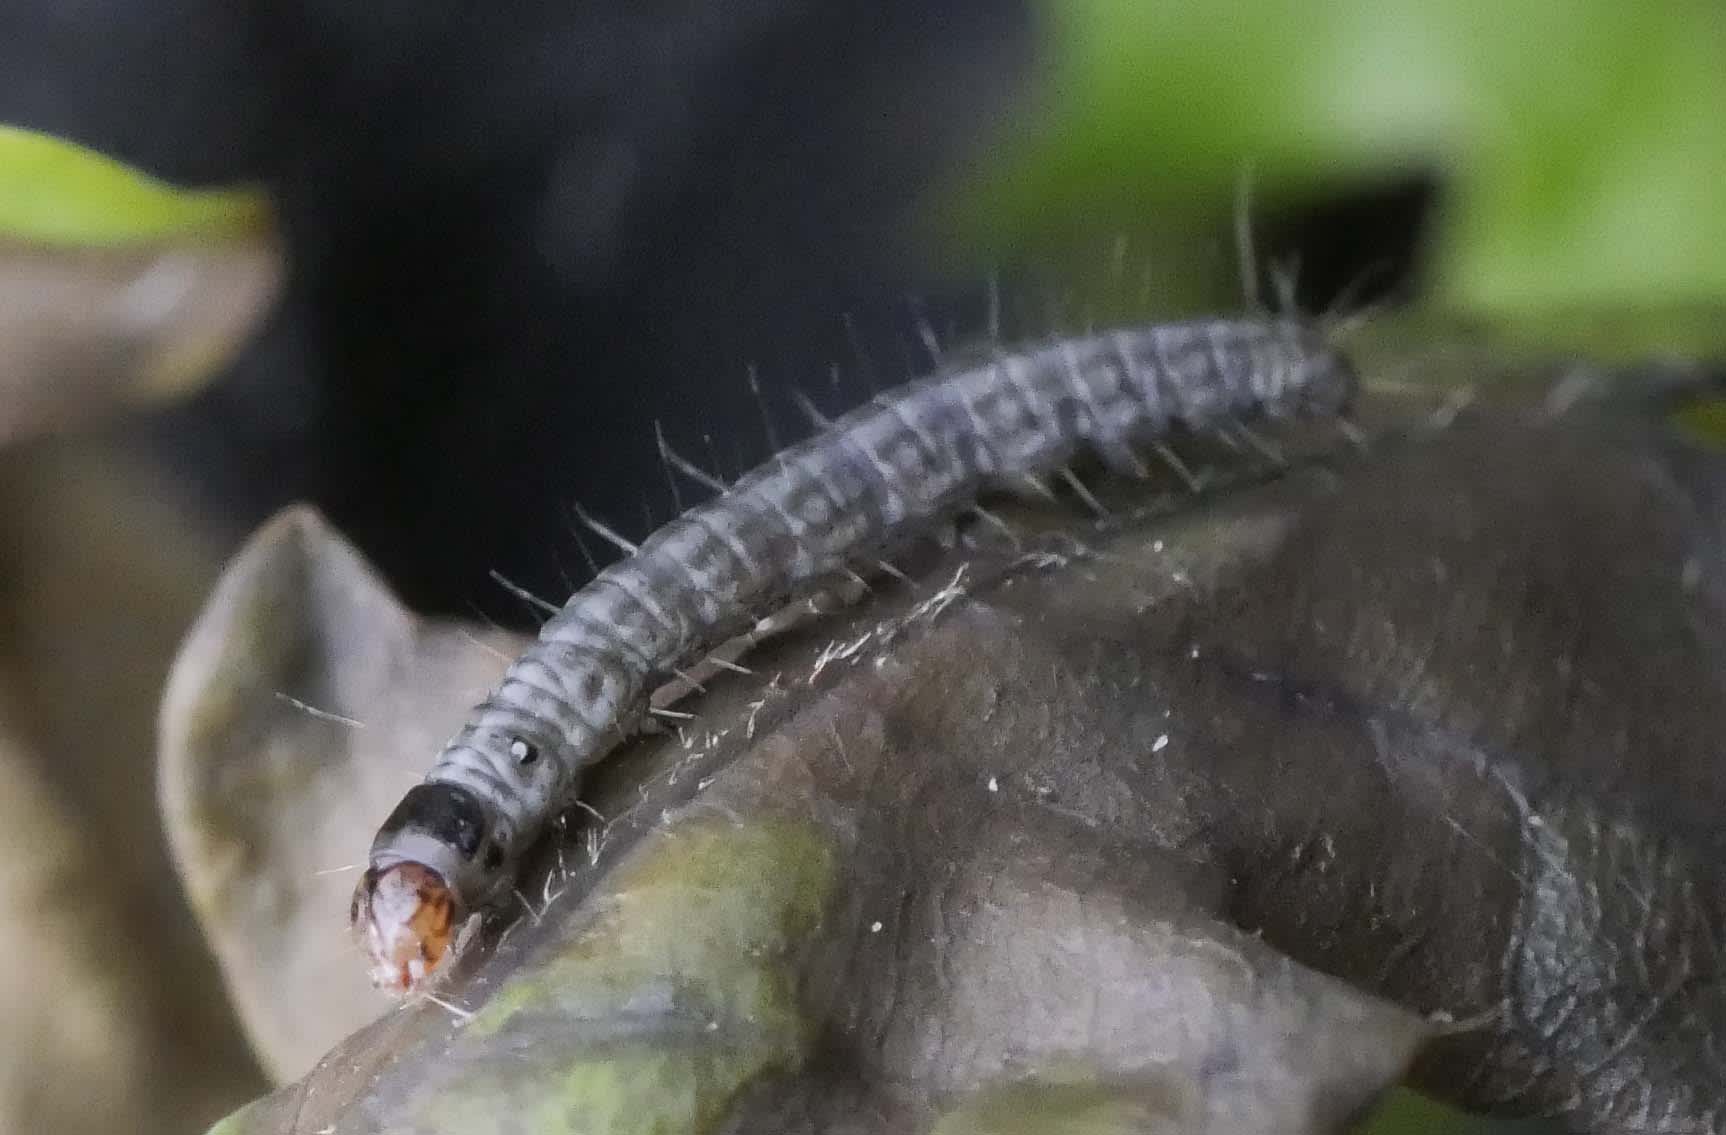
point(405, 917)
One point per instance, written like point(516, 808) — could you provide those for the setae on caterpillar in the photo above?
point(907, 457)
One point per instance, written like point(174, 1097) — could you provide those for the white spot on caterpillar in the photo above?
point(1161, 743)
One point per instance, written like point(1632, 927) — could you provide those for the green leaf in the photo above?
point(1581, 147)
point(55, 192)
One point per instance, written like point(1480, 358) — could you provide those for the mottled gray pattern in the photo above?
point(906, 458)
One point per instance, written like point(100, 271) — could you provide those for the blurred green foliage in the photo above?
point(1703, 422)
point(53, 192)
point(1580, 148)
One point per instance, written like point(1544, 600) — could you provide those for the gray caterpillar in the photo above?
point(902, 460)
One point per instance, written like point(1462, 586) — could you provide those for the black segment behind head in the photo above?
point(443, 811)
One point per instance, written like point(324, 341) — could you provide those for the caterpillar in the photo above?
point(906, 458)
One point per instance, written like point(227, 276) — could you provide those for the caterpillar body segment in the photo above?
point(899, 462)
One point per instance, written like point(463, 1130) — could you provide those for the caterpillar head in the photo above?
point(405, 917)
point(431, 860)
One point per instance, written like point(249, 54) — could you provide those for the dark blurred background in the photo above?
point(521, 235)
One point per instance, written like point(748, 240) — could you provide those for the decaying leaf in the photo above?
point(115, 1018)
point(84, 332)
point(116, 288)
point(301, 707)
point(1215, 813)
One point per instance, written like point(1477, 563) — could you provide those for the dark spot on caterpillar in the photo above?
point(1072, 416)
point(493, 857)
point(524, 752)
point(593, 684)
point(444, 811)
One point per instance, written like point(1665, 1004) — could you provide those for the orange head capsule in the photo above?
point(431, 862)
point(405, 917)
